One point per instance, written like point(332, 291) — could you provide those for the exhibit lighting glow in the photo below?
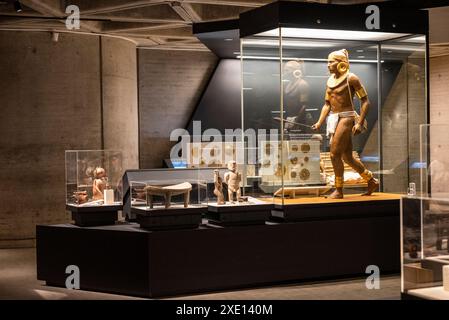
point(303, 59)
point(392, 48)
point(292, 44)
point(332, 34)
point(418, 39)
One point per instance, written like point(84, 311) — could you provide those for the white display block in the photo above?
point(109, 196)
point(446, 278)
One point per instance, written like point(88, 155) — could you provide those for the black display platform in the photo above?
point(171, 218)
point(126, 259)
point(238, 215)
point(89, 216)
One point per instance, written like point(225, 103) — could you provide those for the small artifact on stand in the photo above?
point(167, 192)
point(232, 179)
point(343, 121)
point(218, 191)
point(80, 197)
point(99, 184)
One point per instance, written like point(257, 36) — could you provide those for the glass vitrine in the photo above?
point(285, 83)
point(93, 177)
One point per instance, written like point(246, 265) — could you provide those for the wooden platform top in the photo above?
point(378, 196)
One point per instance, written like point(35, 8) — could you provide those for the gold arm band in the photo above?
point(338, 182)
point(361, 93)
point(367, 175)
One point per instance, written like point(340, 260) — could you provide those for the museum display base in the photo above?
point(238, 214)
point(352, 205)
point(129, 260)
point(435, 264)
point(94, 215)
point(433, 293)
point(176, 217)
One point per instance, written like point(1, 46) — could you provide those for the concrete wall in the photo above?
point(170, 85)
point(119, 89)
point(57, 96)
point(50, 102)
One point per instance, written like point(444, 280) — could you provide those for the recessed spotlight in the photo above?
point(228, 39)
point(17, 6)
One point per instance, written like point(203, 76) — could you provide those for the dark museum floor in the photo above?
point(18, 281)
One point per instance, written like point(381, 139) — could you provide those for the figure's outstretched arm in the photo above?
point(324, 113)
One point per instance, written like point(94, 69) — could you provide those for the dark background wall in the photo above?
point(219, 107)
point(52, 95)
point(170, 86)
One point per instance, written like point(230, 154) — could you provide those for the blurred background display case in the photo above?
point(284, 72)
point(425, 221)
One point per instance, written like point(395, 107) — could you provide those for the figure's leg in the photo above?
point(167, 197)
point(339, 143)
point(150, 200)
point(358, 166)
point(186, 199)
point(230, 196)
point(238, 195)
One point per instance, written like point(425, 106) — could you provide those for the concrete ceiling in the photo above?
point(156, 24)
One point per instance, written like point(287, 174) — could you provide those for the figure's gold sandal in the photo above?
point(373, 185)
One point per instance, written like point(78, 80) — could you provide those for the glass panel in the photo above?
point(434, 163)
point(425, 244)
point(306, 87)
point(93, 177)
point(425, 220)
point(404, 108)
point(261, 115)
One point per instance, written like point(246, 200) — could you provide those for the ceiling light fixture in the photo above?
point(332, 34)
point(303, 59)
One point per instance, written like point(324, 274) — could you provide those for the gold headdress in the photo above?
point(342, 57)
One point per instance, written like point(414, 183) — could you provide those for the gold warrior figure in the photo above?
point(343, 121)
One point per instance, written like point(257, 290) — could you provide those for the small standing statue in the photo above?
point(232, 179)
point(99, 184)
point(218, 191)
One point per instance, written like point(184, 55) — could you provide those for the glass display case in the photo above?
point(169, 203)
point(425, 221)
point(93, 178)
point(169, 194)
point(288, 79)
point(425, 248)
